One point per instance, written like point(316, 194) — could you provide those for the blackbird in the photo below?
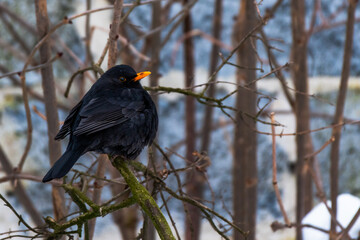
point(116, 117)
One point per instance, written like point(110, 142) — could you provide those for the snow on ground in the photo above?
point(347, 206)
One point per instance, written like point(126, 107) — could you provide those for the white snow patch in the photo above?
point(347, 206)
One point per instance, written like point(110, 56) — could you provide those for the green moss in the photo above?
point(144, 199)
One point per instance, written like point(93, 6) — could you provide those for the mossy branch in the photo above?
point(144, 199)
point(96, 211)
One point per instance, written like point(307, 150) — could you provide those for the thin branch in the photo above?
point(18, 215)
point(355, 122)
point(339, 113)
point(351, 224)
point(169, 214)
point(225, 60)
point(37, 67)
point(275, 182)
point(80, 71)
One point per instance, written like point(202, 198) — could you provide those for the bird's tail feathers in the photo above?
point(63, 165)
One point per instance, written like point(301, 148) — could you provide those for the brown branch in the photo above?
point(355, 122)
point(80, 71)
point(225, 60)
point(21, 219)
point(332, 25)
point(286, 65)
point(89, 57)
point(132, 48)
point(169, 214)
point(113, 34)
point(193, 33)
point(182, 14)
point(16, 82)
point(52, 117)
point(339, 112)
point(316, 9)
point(351, 224)
point(24, 176)
point(279, 74)
point(40, 66)
point(275, 182)
point(331, 140)
point(101, 59)
point(275, 226)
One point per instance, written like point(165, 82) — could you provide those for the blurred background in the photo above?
point(242, 88)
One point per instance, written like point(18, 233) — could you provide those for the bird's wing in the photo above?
point(66, 128)
point(100, 114)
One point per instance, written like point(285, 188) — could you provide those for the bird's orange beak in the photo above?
point(141, 75)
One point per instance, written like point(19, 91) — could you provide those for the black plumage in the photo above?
point(116, 117)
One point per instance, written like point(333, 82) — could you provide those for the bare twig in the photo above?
point(275, 182)
point(81, 71)
point(332, 139)
point(351, 224)
point(40, 66)
point(18, 215)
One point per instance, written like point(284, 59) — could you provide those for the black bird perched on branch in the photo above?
point(116, 117)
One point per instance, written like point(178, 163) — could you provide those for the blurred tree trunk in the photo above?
point(52, 117)
point(214, 57)
point(302, 112)
point(339, 114)
point(197, 177)
point(155, 41)
point(192, 220)
point(245, 140)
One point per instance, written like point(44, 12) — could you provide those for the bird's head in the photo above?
point(125, 74)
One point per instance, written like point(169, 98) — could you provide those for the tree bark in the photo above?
point(302, 112)
point(113, 34)
point(245, 140)
point(214, 57)
point(192, 220)
point(52, 117)
point(339, 114)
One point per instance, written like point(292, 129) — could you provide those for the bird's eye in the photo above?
point(122, 79)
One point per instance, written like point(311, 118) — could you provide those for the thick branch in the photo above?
point(144, 199)
point(113, 35)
